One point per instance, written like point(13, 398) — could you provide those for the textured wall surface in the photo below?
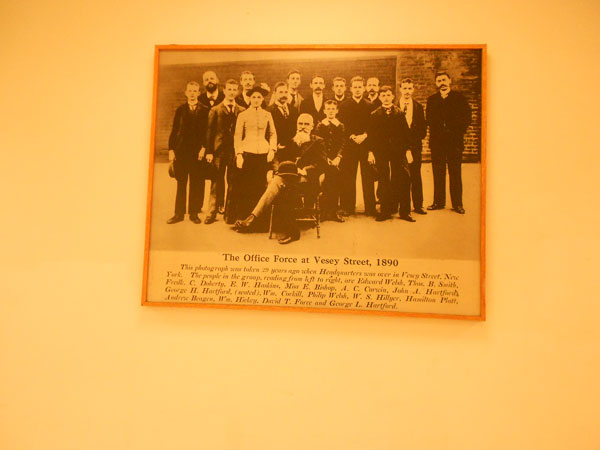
point(84, 367)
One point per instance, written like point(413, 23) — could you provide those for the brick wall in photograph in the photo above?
point(464, 66)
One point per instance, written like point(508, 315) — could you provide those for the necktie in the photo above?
point(388, 111)
point(285, 112)
point(230, 109)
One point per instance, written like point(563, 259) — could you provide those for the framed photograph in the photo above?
point(322, 178)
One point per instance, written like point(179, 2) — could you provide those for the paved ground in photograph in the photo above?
point(441, 234)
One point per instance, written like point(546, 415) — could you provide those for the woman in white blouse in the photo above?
point(255, 143)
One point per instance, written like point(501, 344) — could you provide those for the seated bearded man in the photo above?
point(298, 168)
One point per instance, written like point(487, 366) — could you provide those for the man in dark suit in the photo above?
point(293, 82)
point(300, 167)
point(220, 152)
point(313, 105)
point(186, 148)
point(415, 121)
point(448, 116)
point(372, 90)
point(339, 89)
point(284, 115)
point(388, 142)
point(212, 96)
point(355, 114)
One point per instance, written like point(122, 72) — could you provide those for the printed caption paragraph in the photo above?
point(298, 281)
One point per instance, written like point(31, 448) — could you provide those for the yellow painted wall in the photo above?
point(84, 367)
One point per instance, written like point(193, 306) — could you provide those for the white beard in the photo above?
point(301, 138)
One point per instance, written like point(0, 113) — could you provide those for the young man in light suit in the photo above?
point(220, 152)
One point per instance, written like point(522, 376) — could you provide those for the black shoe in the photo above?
point(381, 217)
point(337, 218)
point(408, 218)
point(420, 211)
point(221, 210)
point(371, 213)
point(194, 218)
point(287, 239)
point(176, 218)
point(344, 213)
point(459, 209)
point(209, 219)
point(242, 226)
point(435, 206)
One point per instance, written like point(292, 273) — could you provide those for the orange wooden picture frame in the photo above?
point(235, 49)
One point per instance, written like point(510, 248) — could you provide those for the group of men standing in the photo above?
point(255, 149)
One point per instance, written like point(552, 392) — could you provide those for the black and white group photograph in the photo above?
point(336, 151)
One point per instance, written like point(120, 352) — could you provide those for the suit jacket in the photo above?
point(344, 98)
point(240, 100)
point(221, 129)
point(334, 138)
point(254, 132)
point(308, 155)
point(206, 102)
point(298, 101)
point(388, 134)
point(375, 103)
point(188, 133)
point(355, 115)
point(308, 106)
point(417, 129)
point(285, 127)
point(448, 120)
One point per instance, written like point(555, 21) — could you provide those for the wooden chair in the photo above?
point(302, 213)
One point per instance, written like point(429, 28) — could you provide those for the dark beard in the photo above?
point(211, 87)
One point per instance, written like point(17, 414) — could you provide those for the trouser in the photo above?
point(222, 165)
point(286, 192)
point(353, 155)
point(416, 183)
point(252, 182)
point(188, 170)
point(394, 185)
point(440, 157)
